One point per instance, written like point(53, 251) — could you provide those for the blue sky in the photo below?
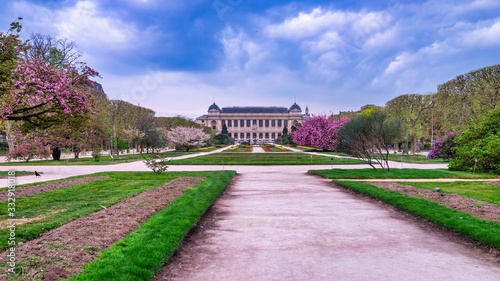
point(176, 57)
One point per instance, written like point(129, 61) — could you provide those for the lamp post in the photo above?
point(111, 145)
point(406, 138)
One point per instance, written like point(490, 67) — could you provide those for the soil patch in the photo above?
point(480, 209)
point(62, 252)
point(30, 190)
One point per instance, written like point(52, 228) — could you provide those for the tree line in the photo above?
point(49, 99)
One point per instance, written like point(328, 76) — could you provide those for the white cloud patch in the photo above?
point(85, 23)
point(487, 35)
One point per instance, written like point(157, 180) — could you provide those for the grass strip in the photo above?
point(399, 174)
point(5, 174)
point(479, 190)
point(141, 255)
point(235, 158)
point(486, 232)
point(57, 207)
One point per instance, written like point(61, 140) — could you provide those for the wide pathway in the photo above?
point(294, 226)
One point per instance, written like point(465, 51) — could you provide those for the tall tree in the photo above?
point(58, 53)
point(410, 108)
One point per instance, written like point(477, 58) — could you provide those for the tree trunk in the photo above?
point(56, 154)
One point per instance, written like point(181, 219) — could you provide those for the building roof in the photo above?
point(295, 106)
point(254, 109)
point(214, 106)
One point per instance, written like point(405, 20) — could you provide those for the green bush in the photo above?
point(481, 142)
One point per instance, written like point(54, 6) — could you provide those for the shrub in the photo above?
point(156, 162)
point(478, 146)
point(443, 147)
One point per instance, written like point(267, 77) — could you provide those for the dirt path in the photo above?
point(293, 226)
point(61, 252)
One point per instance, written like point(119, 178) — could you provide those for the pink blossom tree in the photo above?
point(42, 95)
point(187, 137)
point(319, 131)
point(28, 148)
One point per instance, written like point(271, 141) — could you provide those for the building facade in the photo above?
point(253, 124)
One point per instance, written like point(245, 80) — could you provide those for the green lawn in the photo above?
point(399, 174)
point(487, 232)
point(61, 206)
point(141, 255)
point(4, 174)
point(105, 160)
point(262, 159)
point(421, 159)
point(483, 191)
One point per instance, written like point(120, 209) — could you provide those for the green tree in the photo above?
point(479, 142)
point(224, 130)
point(369, 137)
point(409, 109)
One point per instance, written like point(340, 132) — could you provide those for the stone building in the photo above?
point(254, 124)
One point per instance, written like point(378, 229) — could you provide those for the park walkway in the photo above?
point(295, 226)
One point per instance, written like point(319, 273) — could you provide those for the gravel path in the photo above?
point(292, 226)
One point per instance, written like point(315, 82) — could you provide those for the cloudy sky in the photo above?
point(177, 56)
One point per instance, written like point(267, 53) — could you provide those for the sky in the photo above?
point(178, 57)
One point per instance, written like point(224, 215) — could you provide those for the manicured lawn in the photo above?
point(262, 159)
point(399, 174)
point(141, 255)
point(422, 159)
point(105, 160)
point(487, 232)
point(17, 173)
point(61, 206)
point(483, 191)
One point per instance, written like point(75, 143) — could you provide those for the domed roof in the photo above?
point(294, 106)
point(214, 107)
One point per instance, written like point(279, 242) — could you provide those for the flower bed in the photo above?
point(266, 148)
point(234, 148)
point(249, 148)
point(204, 148)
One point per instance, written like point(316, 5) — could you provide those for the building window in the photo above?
point(242, 123)
point(254, 122)
point(214, 125)
point(223, 123)
point(279, 135)
point(235, 135)
point(273, 135)
point(260, 135)
point(286, 123)
point(267, 135)
point(261, 123)
point(242, 135)
point(267, 123)
point(254, 135)
point(229, 123)
point(248, 123)
point(273, 123)
point(229, 134)
point(279, 123)
point(248, 135)
point(236, 123)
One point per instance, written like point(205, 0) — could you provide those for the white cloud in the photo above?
point(487, 35)
point(84, 24)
